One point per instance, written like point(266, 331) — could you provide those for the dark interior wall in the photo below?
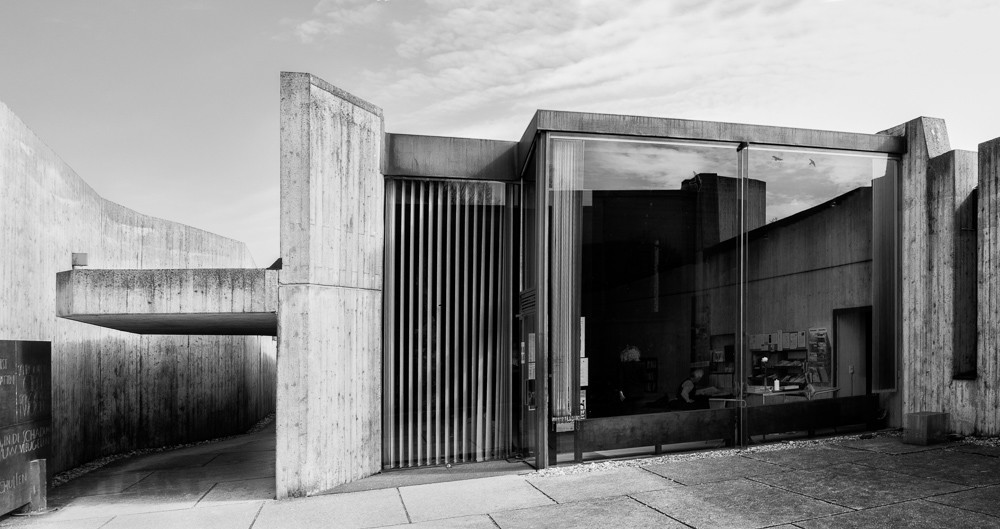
point(799, 270)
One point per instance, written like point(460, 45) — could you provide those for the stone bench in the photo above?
point(925, 427)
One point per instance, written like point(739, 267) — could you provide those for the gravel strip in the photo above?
point(611, 464)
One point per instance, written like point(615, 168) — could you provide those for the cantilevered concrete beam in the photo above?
point(193, 301)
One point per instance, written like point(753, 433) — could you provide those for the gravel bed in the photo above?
point(73, 473)
point(611, 464)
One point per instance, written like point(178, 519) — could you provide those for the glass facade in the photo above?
point(638, 291)
point(685, 276)
point(631, 288)
point(810, 297)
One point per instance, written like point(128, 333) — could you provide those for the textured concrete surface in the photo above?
point(187, 301)
point(230, 484)
point(113, 391)
point(593, 485)
point(329, 398)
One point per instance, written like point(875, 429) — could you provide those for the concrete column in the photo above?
point(329, 289)
point(926, 138)
point(988, 399)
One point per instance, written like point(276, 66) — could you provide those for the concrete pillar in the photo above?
point(939, 366)
point(329, 289)
point(926, 138)
point(988, 400)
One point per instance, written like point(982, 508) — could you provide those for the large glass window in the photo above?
point(641, 320)
point(684, 276)
point(820, 274)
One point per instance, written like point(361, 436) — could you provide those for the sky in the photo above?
point(171, 107)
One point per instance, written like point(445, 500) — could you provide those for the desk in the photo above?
point(725, 401)
point(773, 397)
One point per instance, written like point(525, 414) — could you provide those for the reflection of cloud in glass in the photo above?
point(800, 180)
point(619, 165)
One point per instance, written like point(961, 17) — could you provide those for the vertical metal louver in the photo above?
point(447, 323)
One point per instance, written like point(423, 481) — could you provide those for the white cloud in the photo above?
point(481, 67)
point(333, 17)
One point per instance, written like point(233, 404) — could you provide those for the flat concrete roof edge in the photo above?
point(674, 128)
point(449, 157)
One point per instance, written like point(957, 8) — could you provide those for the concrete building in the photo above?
point(603, 282)
point(114, 391)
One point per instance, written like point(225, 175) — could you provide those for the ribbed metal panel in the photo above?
point(447, 323)
point(885, 277)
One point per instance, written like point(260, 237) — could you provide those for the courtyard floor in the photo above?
point(843, 482)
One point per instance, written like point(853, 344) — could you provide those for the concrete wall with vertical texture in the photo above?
point(986, 404)
point(114, 391)
point(950, 279)
point(926, 138)
point(330, 288)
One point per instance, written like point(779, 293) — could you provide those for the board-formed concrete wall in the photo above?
point(950, 282)
point(329, 289)
point(115, 391)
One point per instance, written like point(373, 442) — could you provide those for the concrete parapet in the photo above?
point(241, 301)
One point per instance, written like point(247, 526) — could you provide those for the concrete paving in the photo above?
point(877, 482)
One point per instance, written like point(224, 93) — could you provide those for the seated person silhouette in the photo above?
point(689, 396)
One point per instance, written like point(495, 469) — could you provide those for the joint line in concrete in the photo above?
point(403, 503)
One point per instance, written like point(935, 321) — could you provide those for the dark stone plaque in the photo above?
point(25, 416)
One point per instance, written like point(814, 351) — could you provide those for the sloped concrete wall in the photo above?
point(115, 391)
point(329, 289)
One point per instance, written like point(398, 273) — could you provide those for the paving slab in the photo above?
point(858, 486)
point(433, 474)
point(41, 523)
point(599, 484)
point(218, 517)
point(200, 477)
point(120, 504)
point(238, 458)
point(712, 469)
point(985, 500)
point(890, 445)
point(917, 513)
point(479, 521)
point(497, 467)
point(473, 496)
point(609, 512)
point(159, 461)
point(375, 508)
point(812, 456)
point(991, 451)
point(736, 504)
point(944, 465)
point(172, 486)
point(97, 483)
point(239, 492)
point(261, 445)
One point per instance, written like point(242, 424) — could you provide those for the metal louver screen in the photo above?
point(447, 323)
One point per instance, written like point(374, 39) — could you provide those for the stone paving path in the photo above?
point(876, 482)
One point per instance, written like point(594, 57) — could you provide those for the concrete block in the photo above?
point(924, 428)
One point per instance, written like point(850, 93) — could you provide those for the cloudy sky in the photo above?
point(171, 107)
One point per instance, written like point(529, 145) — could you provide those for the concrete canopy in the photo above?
point(229, 301)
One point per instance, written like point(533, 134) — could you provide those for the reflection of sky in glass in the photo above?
point(625, 165)
point(799, 180)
